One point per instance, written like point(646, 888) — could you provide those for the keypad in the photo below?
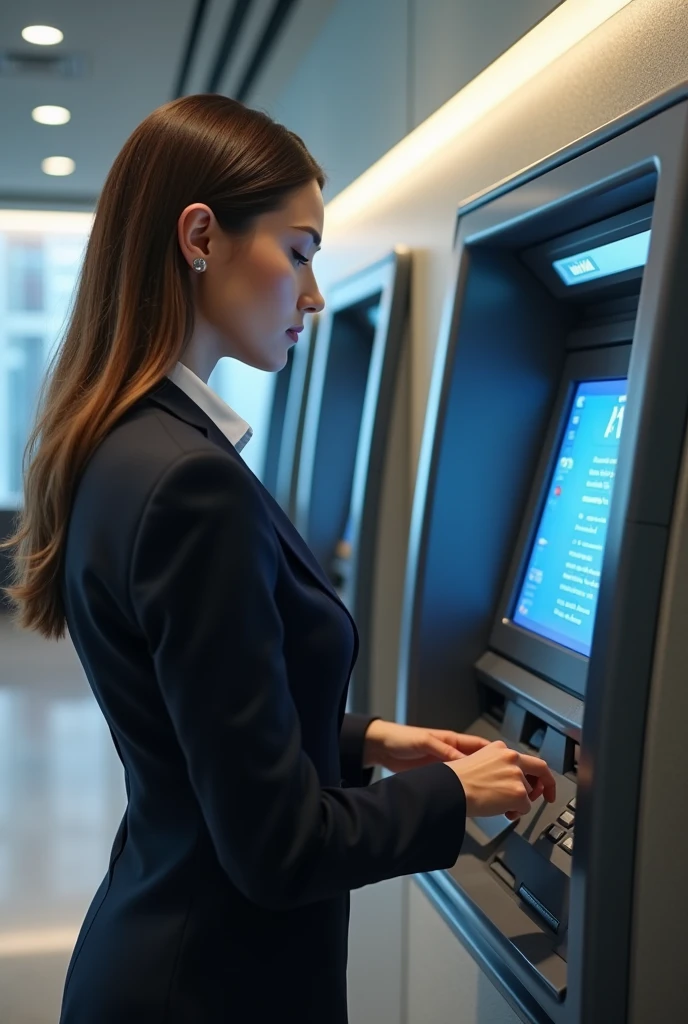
point(567, 818)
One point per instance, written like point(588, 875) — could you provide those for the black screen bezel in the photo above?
point(563, 667)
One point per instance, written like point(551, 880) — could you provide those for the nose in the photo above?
point(313, 302)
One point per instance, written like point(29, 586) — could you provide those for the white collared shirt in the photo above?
point(236, 430)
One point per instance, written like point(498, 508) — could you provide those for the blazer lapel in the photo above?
point(174, 400)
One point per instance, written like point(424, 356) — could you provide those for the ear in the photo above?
point(195, 227)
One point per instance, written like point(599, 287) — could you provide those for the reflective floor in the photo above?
point(61, 799)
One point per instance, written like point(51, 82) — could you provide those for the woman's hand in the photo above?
point(400, 747)
point(498, 780)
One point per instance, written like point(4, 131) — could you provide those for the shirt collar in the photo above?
point(236, 430)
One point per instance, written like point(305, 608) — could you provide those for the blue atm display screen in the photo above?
point(558, 596)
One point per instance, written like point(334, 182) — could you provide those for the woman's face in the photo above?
point(252, 299)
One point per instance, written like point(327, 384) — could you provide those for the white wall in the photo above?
point(348, 96)
point(377, 68)
point(454, 40)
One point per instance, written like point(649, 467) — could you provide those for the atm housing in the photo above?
point(280, 398)
point(353, 491)
point(550, 925)
point(289, 415)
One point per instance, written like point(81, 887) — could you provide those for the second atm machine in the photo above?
point(285, 480)
point(353, 490)
point(547, 588)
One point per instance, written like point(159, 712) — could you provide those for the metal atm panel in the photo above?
point(352, 492)
point(551, 927)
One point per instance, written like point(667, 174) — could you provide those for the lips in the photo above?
point(294, 332)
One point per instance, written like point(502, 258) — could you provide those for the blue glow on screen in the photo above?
point(558, 596)
point(612, 258)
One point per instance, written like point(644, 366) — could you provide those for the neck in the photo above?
point(202, 353)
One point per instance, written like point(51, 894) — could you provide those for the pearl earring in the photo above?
point(199, 264)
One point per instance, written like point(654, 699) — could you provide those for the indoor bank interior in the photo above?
point(481, 438)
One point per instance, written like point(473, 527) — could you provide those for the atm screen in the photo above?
point(558, 595)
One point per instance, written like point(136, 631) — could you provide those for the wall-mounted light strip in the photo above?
point(604, 260)
point(547, 42)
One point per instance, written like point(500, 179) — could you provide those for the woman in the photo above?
point(218, 651)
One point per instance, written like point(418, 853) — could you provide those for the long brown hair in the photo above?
point(133, 312)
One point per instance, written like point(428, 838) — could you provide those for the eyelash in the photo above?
point(301, 260)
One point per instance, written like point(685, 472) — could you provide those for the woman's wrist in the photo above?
point(373, 743)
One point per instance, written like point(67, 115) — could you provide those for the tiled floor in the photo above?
point(61, 798)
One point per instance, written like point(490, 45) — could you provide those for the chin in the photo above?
point(269, 362)
point(275, 363)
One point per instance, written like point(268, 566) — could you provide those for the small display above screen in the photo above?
point(558, 596)
point(604, 260)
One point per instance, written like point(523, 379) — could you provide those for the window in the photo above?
point(25, 267)
point(40, 256)
point(24, 362)
point(249, 392)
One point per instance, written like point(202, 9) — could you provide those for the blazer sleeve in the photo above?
point(202, 586)
point(351, 749)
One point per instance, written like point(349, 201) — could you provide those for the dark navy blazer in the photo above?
point(220, 656)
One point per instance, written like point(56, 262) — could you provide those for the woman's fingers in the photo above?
point(443, 750)
point(536, 768)
point(462, 741)
point(537, 788)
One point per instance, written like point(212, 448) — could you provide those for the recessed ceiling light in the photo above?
point(59, 165)
point(51, 115)
point(42, 35)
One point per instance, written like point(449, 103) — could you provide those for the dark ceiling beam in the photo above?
point(235, 23)
point(271, 34)
point(191, 42)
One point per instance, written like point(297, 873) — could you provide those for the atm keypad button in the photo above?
point(554, 833)
point(567, 819)
point(572, 804)
point(568, 844)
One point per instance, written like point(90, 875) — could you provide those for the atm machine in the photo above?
point(353, 489)
point(292, 419)
point(280, 398)
point(546, 599)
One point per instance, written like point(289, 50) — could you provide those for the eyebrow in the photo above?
point(309, 231)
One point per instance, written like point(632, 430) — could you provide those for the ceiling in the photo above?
point(132, 56)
